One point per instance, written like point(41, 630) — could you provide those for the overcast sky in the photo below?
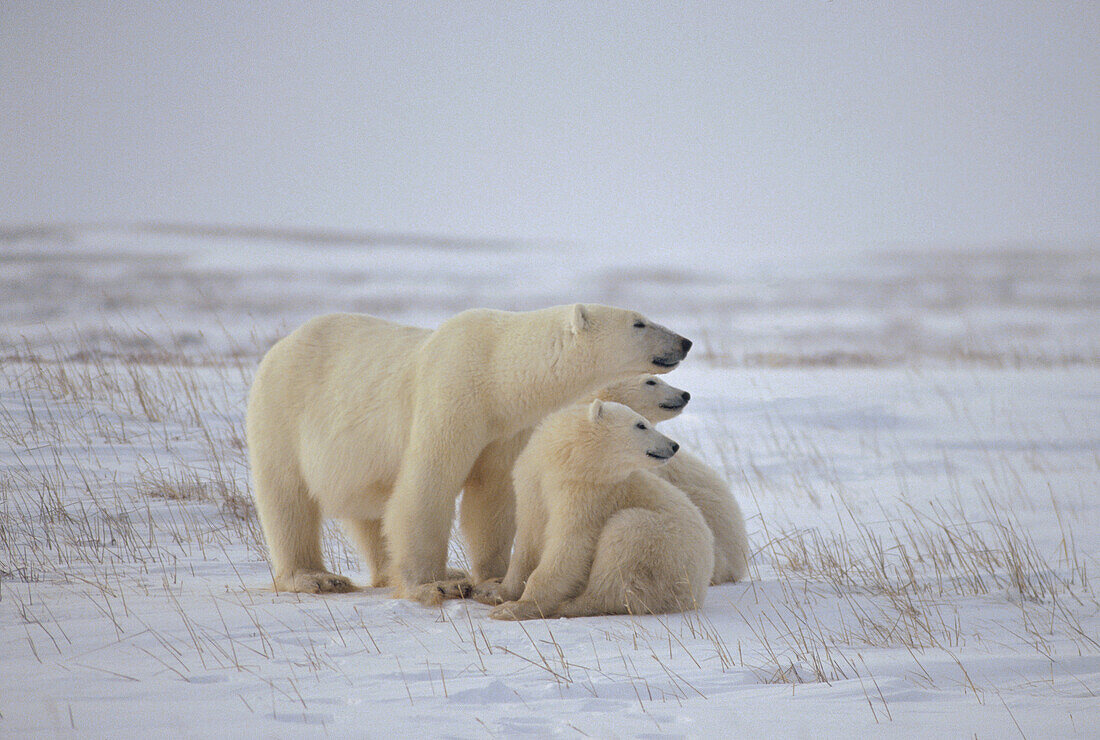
point(718, 125)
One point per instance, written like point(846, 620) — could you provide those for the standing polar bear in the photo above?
point(381, 425)
point(658, 401)
point(597, 533)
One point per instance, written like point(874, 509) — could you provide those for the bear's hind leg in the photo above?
point(292, 528)
point(723, 572)
point(367, 536)
point(738, 552)
point(487, 514)
point(524, 560)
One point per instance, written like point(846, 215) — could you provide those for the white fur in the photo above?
point(658, 401)
point(382, 425)
point(597, 532)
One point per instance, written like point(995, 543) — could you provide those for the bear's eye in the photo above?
point(640, 425)
point(651, 382)
point(639, 324)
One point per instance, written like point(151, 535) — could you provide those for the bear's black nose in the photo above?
point(685, 345)
point(686, 396)
point(675, 447)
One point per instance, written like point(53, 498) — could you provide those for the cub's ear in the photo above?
point(580, 319)
point(595, 410)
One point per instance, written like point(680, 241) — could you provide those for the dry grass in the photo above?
point(82, 432)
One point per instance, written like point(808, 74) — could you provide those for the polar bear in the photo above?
point(658, 401)
point(381, 425)
point(597, 532)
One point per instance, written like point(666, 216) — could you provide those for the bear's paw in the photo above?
point(489, 592)
point(514, 611)
point(435, 593)
point(318, 582)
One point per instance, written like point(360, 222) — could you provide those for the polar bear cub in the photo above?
point(597, 532)
point(381, 425)
point(658, 401)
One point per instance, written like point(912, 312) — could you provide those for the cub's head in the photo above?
point(600, 442)
point(650, 396)
point(624, 341)
point(625, 440)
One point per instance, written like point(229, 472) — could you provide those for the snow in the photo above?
point(913, 437)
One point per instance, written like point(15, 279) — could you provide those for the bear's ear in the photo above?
point(595, 410)
point(580, 319)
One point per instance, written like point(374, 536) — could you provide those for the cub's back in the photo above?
point(645, 490)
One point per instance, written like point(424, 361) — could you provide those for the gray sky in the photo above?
point(714, 125)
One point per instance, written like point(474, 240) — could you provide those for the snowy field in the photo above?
point(914, 437)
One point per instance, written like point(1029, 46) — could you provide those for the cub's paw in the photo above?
point(456, 574)
point(435, 593)
point(514, 611)
point(490, 592)
point(317, 582)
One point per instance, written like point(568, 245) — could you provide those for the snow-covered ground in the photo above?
point(914, 436)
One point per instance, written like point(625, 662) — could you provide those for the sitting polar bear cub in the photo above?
point(597, 532)
point(381, 425)
point(658, 401)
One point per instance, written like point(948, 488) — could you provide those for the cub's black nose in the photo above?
point(685, 345)
point(686, 396)
point(675, 447)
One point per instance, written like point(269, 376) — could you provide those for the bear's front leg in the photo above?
point(419, 515)
point(562, 571)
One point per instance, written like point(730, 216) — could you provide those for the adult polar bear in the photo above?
point(381, 425)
